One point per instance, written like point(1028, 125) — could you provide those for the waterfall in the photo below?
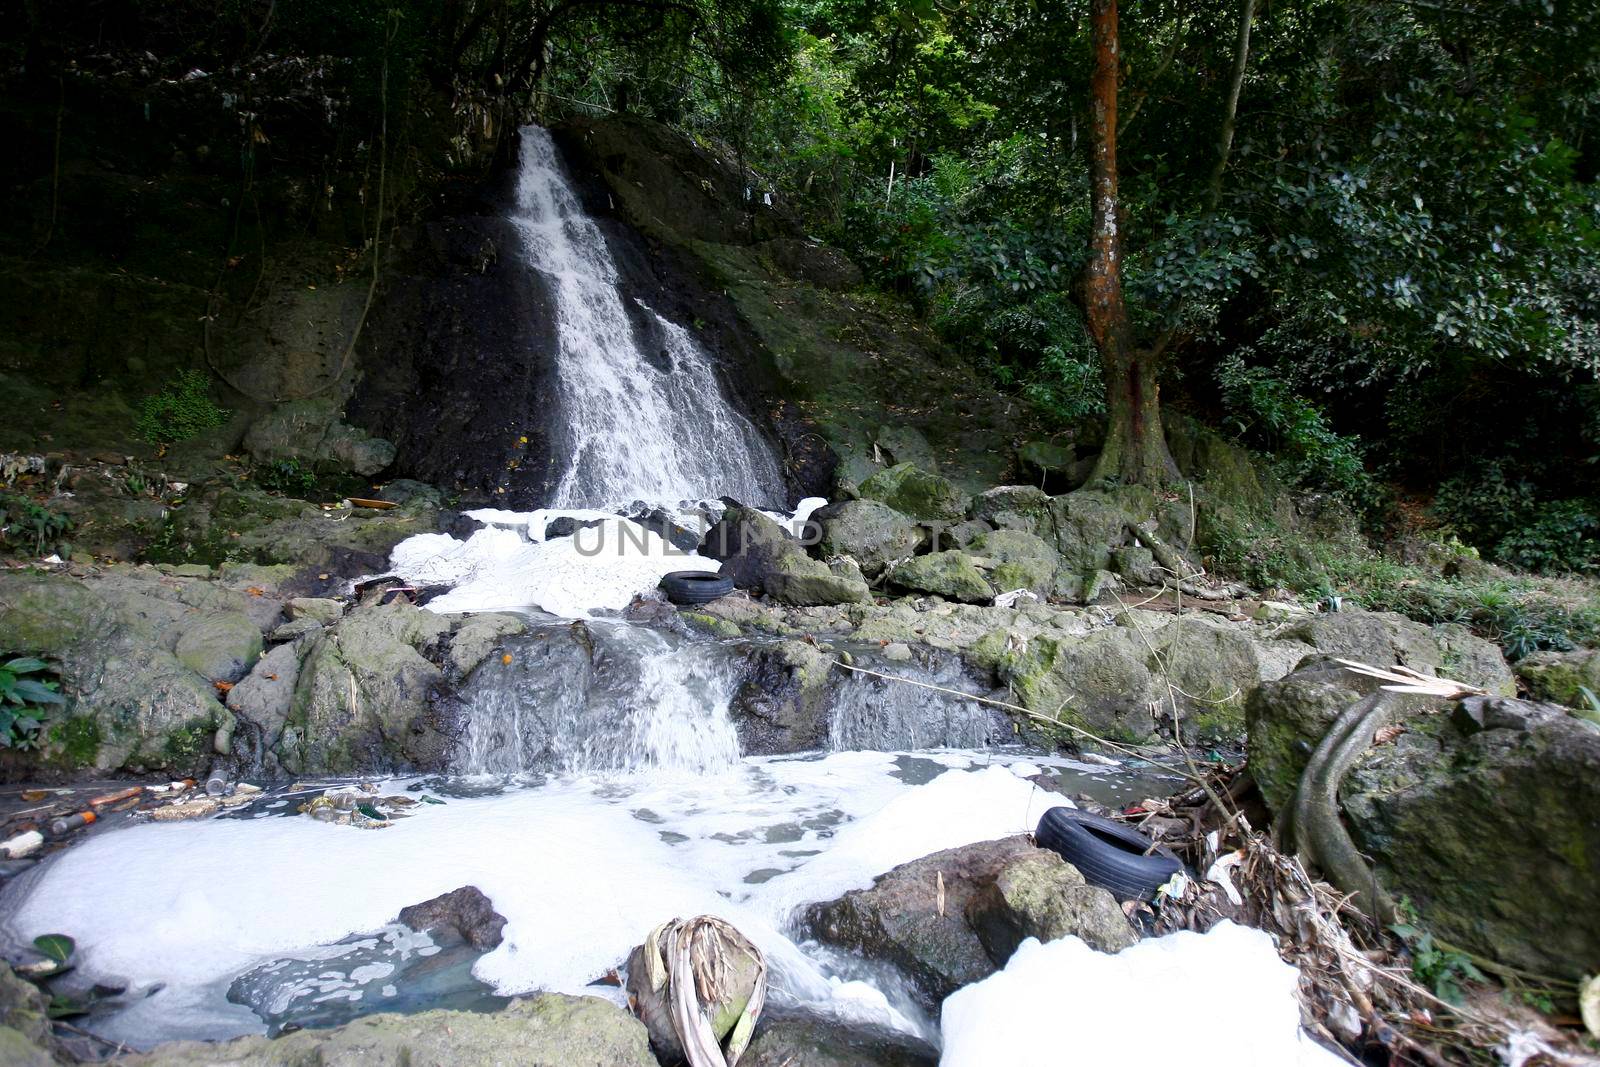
point(602, 697)
point(641, 411)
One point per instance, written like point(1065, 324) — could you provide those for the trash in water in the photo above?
point(68, 823)
point(199, 807)
point(14, 848)
point(698, 985)
point(357, 806)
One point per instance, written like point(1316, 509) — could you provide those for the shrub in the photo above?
point(1308, 453)
point(26, 696)
point(180, 411)
point(1562, 537)
point(1502, 514)
point(288, 476)
point(32, 527)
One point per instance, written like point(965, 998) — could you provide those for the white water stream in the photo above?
point(643, 415)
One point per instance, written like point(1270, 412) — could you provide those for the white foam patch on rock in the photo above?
point(510, 566)
point(581, 869)
point(599, 568)
point(1222, 998)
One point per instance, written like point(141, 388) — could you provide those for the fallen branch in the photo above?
point(1182, 574)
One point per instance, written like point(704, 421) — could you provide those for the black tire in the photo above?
point(695, 587)
point(1107, 853)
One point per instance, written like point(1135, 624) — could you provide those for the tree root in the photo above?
point(1318, 833)
point(1182, 573)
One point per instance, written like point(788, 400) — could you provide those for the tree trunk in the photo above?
point(1230, 111)
point(1136, 449)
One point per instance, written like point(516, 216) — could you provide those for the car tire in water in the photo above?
point(695, 587)
point(1107, 853)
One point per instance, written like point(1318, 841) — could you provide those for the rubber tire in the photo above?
point(695, 587)
point(1107, 853)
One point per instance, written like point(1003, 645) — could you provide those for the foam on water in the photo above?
point(1226, 1000)
point(581, 868)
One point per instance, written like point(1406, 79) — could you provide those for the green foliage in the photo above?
point(1441, 969)
point(31, 527)
point(1521, 614)
point(180, 411)
point(26, 695)
point(1501, 512)
point(287, 476)
point(1308, 452)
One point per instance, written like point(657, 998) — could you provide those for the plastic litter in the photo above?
point(68, 823)
point(27, 844)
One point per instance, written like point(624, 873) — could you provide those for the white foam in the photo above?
point(582, 869)
point(1223, 998)
point(599, 568)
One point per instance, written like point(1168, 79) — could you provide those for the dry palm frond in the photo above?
point(1403, 679)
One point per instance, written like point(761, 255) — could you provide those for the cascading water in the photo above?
point(636, 425)
point(603, 697)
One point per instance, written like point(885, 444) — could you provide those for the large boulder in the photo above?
point(1487, 819)
point(367, 697)
point(1089, 525)
point(545, 1030)
point(1020, 560)
point(1212, 666)
point(1100, 682)
point(220, 647)
point(951, 574)
point(465, 911)
point(782, 703)
point(1385, 639)
point(954, 917)
point(311, 432)
point(133, 705)
point(912, 491)
point(760, 555)
point(871, 533)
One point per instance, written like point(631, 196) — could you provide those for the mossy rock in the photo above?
point(950, 574)
point(1099, 682)
point(1561, 677)
point(912, 491)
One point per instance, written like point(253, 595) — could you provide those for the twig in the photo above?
point(1126, 750)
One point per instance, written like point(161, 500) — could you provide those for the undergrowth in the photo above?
point(182, 410)
point(1522, 613)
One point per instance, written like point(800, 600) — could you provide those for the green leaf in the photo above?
point(62, 1006)
point(37, 692)
point(58, 947)
point(26, 665)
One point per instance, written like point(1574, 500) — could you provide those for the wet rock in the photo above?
point(1214, 667)
point(466, 911)
point(760, 555)
point(310, 431)
point(782, 703)
point(317, 609)
point(219, 647)
point(994, 894)
point(960, 535)
point(476, 637)
point(797, 1039)
point(459, 526)
point(25, 1037)
point(660, 522)
point(264, 697)
point(871, 533)
point(916, 493)
point(566, 526)
point(366, 696)
point(951, 573)
point(547, 1030)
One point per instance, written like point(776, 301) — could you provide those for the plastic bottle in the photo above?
point(22, 845)
point(68, 823)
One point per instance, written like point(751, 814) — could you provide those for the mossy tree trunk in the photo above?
point(1135, 449)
